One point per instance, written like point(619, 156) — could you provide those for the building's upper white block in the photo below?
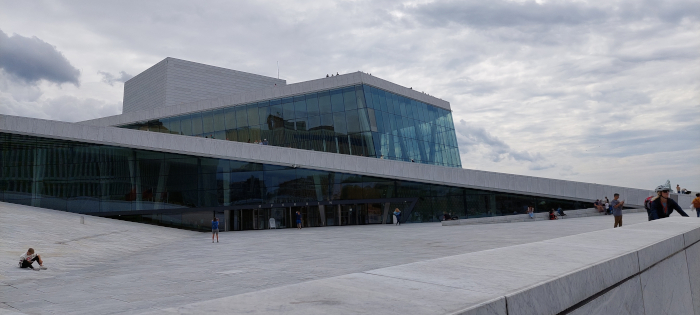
point(174, 81)
point(265, 94)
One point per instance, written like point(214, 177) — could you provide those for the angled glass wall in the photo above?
point(357, 120)
point(181, 190)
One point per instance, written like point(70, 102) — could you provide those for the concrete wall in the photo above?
point(173, 81)
point(451, 176)
point(264, 94)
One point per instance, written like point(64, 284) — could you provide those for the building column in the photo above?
point(38, 175)
point(227, 188)
point(385, 216)
point(322, 214)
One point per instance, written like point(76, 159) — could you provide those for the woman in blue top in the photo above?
point(298, 220)
point(215, 229)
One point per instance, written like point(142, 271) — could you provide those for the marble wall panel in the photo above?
point(561, 293)
point(666, 287)
point(691, 237)
point(656, 252)
point(625, 299)
point(692, 254)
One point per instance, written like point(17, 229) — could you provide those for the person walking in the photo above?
point(662, 206)
point(531, 212)
point(607, 206)
point(215, 229)
point(617, 205)
point(27, 259)
point(397, 214)
point(696, 204)
point(298, 214)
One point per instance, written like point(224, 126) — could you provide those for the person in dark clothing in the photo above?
point(552, 215)
point(662, 206)
point(298, 220)
point(397, 214)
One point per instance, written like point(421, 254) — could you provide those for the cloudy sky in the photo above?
point(603, 92)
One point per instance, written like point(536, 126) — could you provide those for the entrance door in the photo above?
point(374, 213)
point(280, 216)
point(332, 215)
point(348, 215)
point(262, 219)
point(247, 219)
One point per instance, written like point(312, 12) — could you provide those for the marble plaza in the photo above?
point(109, 266)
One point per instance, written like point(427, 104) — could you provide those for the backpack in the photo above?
point(647, 203)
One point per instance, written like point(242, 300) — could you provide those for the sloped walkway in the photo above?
point(109, 266)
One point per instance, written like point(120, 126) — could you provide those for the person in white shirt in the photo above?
point(27, 259)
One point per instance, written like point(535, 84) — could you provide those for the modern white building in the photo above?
point(196, 140)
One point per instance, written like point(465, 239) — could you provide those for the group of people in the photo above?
point(602, 205)
point(263, 142)
point(682, 191)
point(552, 215)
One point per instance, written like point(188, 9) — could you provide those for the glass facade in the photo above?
point(183, 191)
point(357, 120)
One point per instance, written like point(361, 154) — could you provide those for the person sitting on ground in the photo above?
point(662, 206)
point(552, 215)
point(27, 259)
point(561, 212)
point(598, 206)
point(446, 216)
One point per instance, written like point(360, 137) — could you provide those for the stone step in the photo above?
point(541, 216)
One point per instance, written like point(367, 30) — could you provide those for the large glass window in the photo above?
point(402, 128)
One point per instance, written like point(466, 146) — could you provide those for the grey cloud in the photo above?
point(32, 60)
point(470, 136)
point(501, 13)
point(63, 108)
point(504, 13)
point(111, 79)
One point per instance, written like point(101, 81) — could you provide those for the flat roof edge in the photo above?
point(265, 94)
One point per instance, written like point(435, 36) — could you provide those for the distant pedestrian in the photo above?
point(215, 229)
point(298, 214)
point(264, 142)
point(662, 206)
point(561, 212)
point(696, 204)
point(617, 205)
point(397, 214)
point(678, 188)
point(27, 259)
point(607, 206)
point(552, 215)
